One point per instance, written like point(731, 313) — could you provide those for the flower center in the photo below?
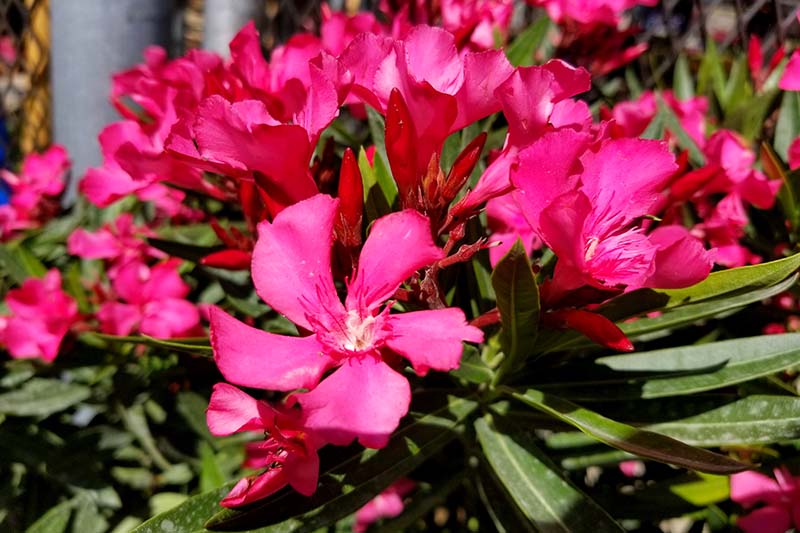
point(359, 333)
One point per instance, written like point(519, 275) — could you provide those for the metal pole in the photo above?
point(223, 19)
point(92, 39)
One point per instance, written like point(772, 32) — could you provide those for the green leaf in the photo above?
point(87, 517)
point(711, 76)
point(191, 252)
point(706, 366)
point(673, 124)
point(758, 419)
point(42, 397)
point(377, 130)
point(704, 491)
point(683, 83)
point(518, 302)
point(735, 280)
point(422, 501)
point(20, 263)
point(677, 317)
point(521, 52)
point(654, 130)
point(748, 117)
point(188, 516)
point(350, 484)
point(211, 475)
point(55, 520)
point(774, 169)
point(737, 89)
point(194, 345)
point(639, 442)
point(378, 197)
point(787, 128)
point(546, 498)
point(472, 367)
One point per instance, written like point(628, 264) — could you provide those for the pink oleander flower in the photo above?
point(794, 154)
point(474, 23)
point(120, 241)
point(288, 453)
point(723, 226)
point(631, 118)
point(587, 204)
point(338, 29)
point(735, 171)
point(152, 301)
point(589, 12)
point(443, 90)
point(387, 504)
point(790, 81)
point(632, 468)
point(41, 315)
point(364, 397)
point(780, 496)
point(34, 192)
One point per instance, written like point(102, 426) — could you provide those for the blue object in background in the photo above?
point(5, 190)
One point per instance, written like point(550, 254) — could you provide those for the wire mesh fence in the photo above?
point(24, 74)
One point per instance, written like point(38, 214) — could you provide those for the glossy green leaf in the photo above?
point(748, 116)
point(472, 368)
point(353, 482)
point(775, 169)
point(678, 317)
point(377, 200)
point(787, 128)
point(187, 517)
point(55, 520)
point(691, 369)
point(521, 51)
point(639, 442)
point(546, 498)
point(42, 397)
point(735, 280)
point(518, 302)
point(377, 131)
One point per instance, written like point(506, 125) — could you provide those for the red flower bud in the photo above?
point(351, 201)
point(400, 148)
point(596, 327)
point(228, 259)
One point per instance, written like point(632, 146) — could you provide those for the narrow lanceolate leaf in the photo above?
point(673, 124)
point(788, 126)
point(682, 81)
point(472, 368)
point(55, 520)
point(548, 500)
point(42, 397)
point(196, 345)
point(188, 516)
point(350, 484)
point(708, 366)
point(751, 420)
point(775, 169)
point(735, 280)
point(518, 303)
point(681, 316)
point(520, 52)
point(639, 442)
point(19, 263)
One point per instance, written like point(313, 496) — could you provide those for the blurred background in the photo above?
point(56, 56)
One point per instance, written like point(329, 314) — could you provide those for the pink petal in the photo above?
point(431, 56)
point(527, 100)
point(247, 58)
point(748, 488)
point(363, 399)
point(169, 318)
point(770, 519)
point(302, 471)
point(292, 261)
point(398, 245)
point(255, 488)
point(431, 339)
point(790, 81)
point(231, 411)
point(93, 245)
point(794, 154)
point(253, 358)
point(117, 318)
point(681, 260)
point(483, 73)
point(647, 167)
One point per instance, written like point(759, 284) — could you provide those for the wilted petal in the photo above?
point(292, 261)
point(363, 399)
point(398, 245)
point(255, 488)
point(253, 358)
point(431, 339)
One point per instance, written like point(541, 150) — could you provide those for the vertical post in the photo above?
point(223, 19)
point(34, 131)
point(92, 39)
